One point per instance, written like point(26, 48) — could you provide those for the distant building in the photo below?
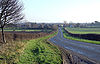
point(94, 24)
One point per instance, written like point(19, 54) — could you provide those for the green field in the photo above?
point(78, 39)
point(27, 30)
point(84, 30)
point(22, 30)
point(36, 51)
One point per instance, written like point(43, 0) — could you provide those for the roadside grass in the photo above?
point(39, 52)
point(84, 30)
point(36, 51)
point(78, 39)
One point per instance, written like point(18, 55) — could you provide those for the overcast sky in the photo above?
point(81, 11)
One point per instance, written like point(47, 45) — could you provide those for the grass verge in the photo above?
point(78, 39)
point(39, 52)
point(36, 51)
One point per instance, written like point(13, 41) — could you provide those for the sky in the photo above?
point(58, 11)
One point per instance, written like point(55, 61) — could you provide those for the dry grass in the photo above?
point(10, 51)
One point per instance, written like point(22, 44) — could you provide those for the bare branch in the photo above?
point(10, 11)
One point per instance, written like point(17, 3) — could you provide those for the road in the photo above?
point(91, 51)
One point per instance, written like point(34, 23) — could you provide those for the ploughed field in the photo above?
point(84, 30)
point(23, 35)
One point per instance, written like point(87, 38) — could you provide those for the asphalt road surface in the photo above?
point(91, 51)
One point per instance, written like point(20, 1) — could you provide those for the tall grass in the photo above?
point(9, 52)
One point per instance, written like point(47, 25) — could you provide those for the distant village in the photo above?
point(30, 25)
point(50, 25)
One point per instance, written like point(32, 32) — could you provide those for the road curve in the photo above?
point(91, 51)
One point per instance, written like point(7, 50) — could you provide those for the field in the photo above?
point(34, 51)
point(22, 30)
point(66, 35)
point(28, 30)
point(25, 29)
point(17, 36)
point(84, 30)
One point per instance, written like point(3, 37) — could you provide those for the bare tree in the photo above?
point(10, 11)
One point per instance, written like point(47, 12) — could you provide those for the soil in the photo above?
point(22, 35)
